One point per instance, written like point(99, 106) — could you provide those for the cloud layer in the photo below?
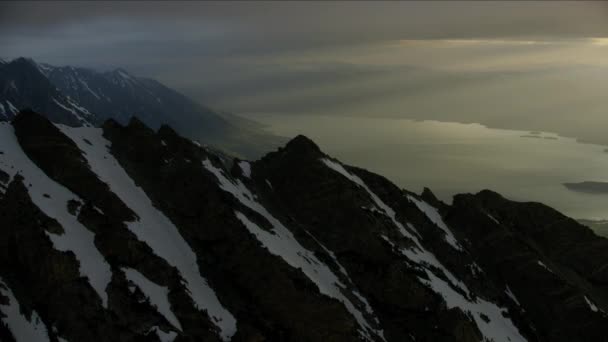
point(508, 64)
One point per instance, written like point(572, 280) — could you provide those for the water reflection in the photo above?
point(453, 158)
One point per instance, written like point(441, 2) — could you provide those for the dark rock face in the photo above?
point(60, 159)
point(273, 238)
point(45, 279)
point(552, 263)
point(270, 299)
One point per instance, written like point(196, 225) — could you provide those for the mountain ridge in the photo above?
point(295, 246)
point(79, 96)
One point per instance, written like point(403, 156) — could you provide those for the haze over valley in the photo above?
point(453, 158)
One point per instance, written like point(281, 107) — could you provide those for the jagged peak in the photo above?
point(136, 123)
point(122, 73)
point(134, 126)
point(29, 64)
point(24, 61)
point(299, 148)
point(302, 143)
point(488, 193)
point(482, 198)
point(19, 59)
point(166, 130)
point(29, 116)
point(111, 123)
point(428, 196)
point(120, 70)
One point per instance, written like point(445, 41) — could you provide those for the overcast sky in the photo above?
point(157, 33)
point(510, 64)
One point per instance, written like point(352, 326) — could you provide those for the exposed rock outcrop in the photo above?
point(293, 247)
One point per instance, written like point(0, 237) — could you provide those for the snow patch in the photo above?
point(164, 336)
point(380, 205)
point(542, 264)
point(282, 243)
point(512, 296)
point(125, 75)
point(433, 214)
point(76, 237)
point(498, 328)
point(45, 69)
point(86, 86)
point(424, 258)
point(22, 328)
point(79, 108)
point(475, 269)
point(246, 168)
point(152, 227)
point(71, 110)
point(157, 295)
point(493, 218)
point(13, 86)
point(12, 108)
point(592, 306)
point(99, 211)
point(418, 254)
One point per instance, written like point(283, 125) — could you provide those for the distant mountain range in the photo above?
point(82, 97)
point(124, 233)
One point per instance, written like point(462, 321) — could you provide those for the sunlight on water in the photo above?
point(453, 158)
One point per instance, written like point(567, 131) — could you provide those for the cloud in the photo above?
point(343, 20)
point(599, 41)
point(483, 61)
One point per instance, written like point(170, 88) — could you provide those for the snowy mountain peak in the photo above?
point(45, 69)
point(78, 96)
point(126, 233)
point(124, 74)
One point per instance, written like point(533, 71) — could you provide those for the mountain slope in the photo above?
point(119, 95)
point(80, 96)
point(124, 233)
point(22, 85)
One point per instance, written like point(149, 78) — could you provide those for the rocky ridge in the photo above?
point(76, 96)
point(125, 233)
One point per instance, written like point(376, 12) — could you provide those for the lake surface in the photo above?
point(452, 158)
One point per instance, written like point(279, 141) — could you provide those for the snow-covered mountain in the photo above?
point(124, 233)
point(23, 86)
point(85, 97)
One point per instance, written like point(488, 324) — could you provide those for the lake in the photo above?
point(452, 158)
